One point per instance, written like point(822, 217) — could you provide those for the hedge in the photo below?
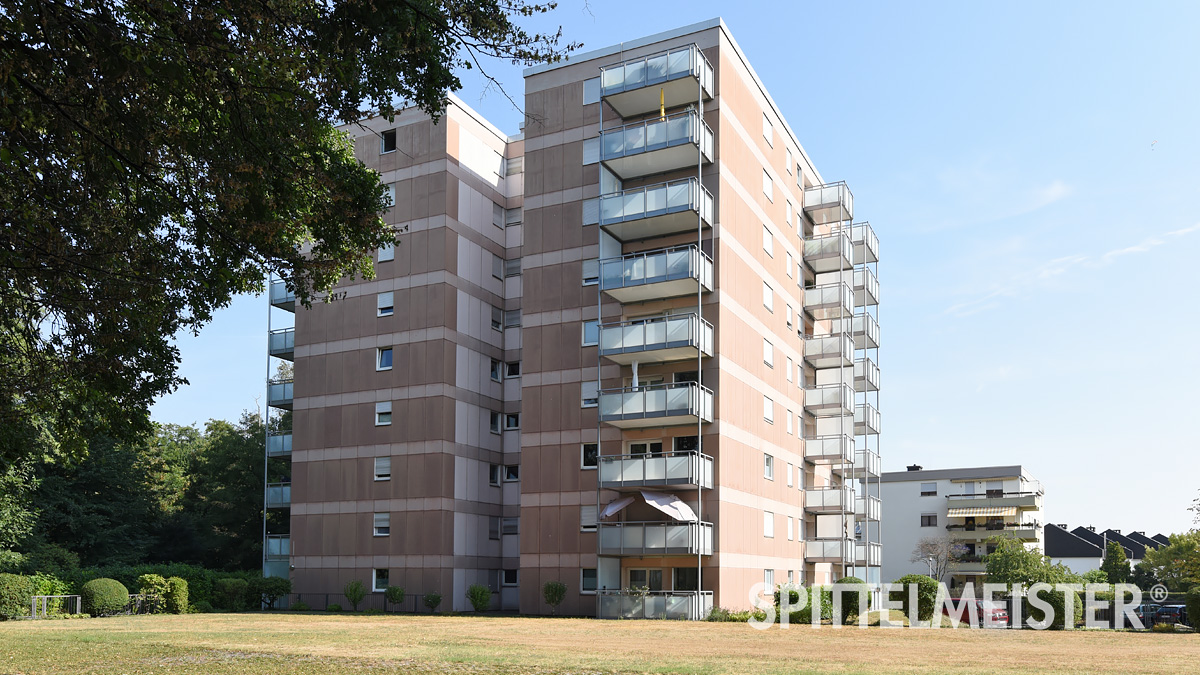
point(851, 598)
point(1057, 599)
point(927, 589)
point(16, 595)
point(104, 596)
point(1192, 600)
point(176, 596)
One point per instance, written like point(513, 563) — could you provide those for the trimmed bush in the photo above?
point(722, 615)
point(554, 592)
point(175, 598)
point(299, 606)
point(271, 589)
point(16, 595)
point(1057, 600)
point(1192, 601)
point(432, 600)
point(230, 594)
point(154, 588)
point(927, 589)
point(480, 597)
point(202, 607)
point(102, 597)
point(394, 595)
point(355, 591)
point(333, 607)
point(850, 598)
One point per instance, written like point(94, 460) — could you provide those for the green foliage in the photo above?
point(479, 596)
point(1057, 600)
point(154, 587)
point(176, 595)
point(372, 610)
point(850, 598)
point(927, 590)
point(394, 595)
point(1116, 564)
point(333, 607)
point(554, 592)
point(1192, 601)
point(18, 514)
point(52, 558)
point(354, 591)
point(11, 562)
point(230, 594)
point(299, 606)
point(102, 597)
point(1143, 576)
point(203, 607)
point(1013, 563)
point(48, 584)
point(271, 589)
point(432, 600)
point(824, 593)
point(722, 615)
point(1176, 565)
point(1095, 577)
point(16, 595)
point(1163, 628)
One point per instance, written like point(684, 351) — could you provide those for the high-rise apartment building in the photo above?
point(633, 349)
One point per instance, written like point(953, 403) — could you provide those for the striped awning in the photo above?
point(965, 511)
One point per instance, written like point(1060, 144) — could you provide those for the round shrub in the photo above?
point(299, 606)
point(16, 595)
point(480, 597)
point(554, 592)
point(1058, 600)
point(851, 597)
point(102, 597)
point(270, 589)
point(202, 607)
point(333, 607)
point(394, 595)
point(176, 596)
point(927, 589)
point(432, 600)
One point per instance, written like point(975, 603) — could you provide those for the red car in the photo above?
point(987, 614)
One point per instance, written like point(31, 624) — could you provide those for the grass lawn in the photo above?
point(334, 644)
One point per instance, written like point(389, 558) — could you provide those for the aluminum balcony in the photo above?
point(866, 466)
point(828, 550)
point(672, 78)
point(656, 145)
point(829, 252)
point(279, 495)
point(658, 405)
point(279, 444)
point(282, 344)
point(866, 420)
point(868, 553)
point(1021, 500)
point(861, 280)
point(281, 297)
point(984, 531)
point(655, 275)
point(866, 244)
point(640, 539)
point(838, 499)
point(830, 351)
point(866, 375)
point(867, 508)
point(862, 327)
point(656, 210)
point(658, 340)
point(279, 546)
point(829, 203)
point(829, 401)
point(830, 301)
point(672, 469)
point(279, 394)
point(684, 605)
point(834, 449)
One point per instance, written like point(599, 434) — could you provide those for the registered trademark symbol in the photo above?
point(1158, 593)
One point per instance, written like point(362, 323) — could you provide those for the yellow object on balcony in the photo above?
point(965, 511)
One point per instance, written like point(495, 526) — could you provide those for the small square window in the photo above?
point(497, 319)
point(495, 372)
point(510, 525)
point(588, 580)
point(587, 517)
point(514, 166)
point(591, 333)
point(380, 581)
point(385, 304)
point(387, 141)
point(591, 272)
point(768, 410)
point(493, 474)
point(383, 468)
point(509, 578)
point(928, 520)
point(687, 443)
point(383, 358)
point(768, 186)
point(494, 422)
point(383, 524)
point(512, 267)
point(512, 369)
point(512, 473)
point(768, 297)
point(768, 524)
point(497, 215)
point(512, 318)
point(768, 241)
point(383, 414)
point(768, 467)
point(387, 252)
point(768, 353)
point(589, 455)
point(928, 489)
point(512, 421)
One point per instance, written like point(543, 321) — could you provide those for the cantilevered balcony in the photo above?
point(656, 145)
point(279, 394)
point(868, 553)
point(672, 469)
point(281, 297)
point(279, 495)
point(862, 327)
point(282, 343)
point(995, 498)
point(655, 275)
point(861, 279)
point(828, 550)
point(835, 449)
point(866, 244)
point(279, 444)
point(830, 301)
point(829, 203)
point(866, 420)
point(829, 252)
point(656, 210)
point(658, 405)
point(673, 78)
point(983, 531)
point(866, 375)
point(866, 465)
point(867, 508)
point(838, 499)
point(829, 401)
point(279, 546)
point(658, 340)
point(629, 604)
point(641, 539)
point(828, 351)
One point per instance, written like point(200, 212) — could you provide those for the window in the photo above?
point(769, 579)
point(589, 396)
point(788, 318)
point(588, 580)
point(383, 358)
point(512, 369)
point(789, 213)
point(513, 217)
point(589, 455)
point(789, 369)
point(391, 194)
point(512, 473)
point(497, 215)
point(791, 525)
point(995, 488)
point(591, 272)
point(385, 304)
point(768, 132)
point(768, 241)
point(514, 166)
point(509, 578)
point(387, 252)
point(495, 370)
point(789, 427)
point(789, 475)
point(591, 333)
point(768, 353)
point(493, 474)
point(591, 94)
point(587, 518)
point(512, 318)
point(768, 410)
point(512, 268)
point(686, 579)
point(687, 443)
point(768, 524)
point(380, 581)
point(497, 266)
point(789, 161)
point(387, 141)
point(646, 448)
point(928, 520)
point(648, 579)
point(791, 262)
point(768, 467)
point(494, 527)
point(799, 176)
point(799, 275)
point(512, 421)
point(591, 150)
point(383, 468)
point(510, 525)
point(494, 422)
point(768, 186)
point(928, 489)
point(383, 524)
point(768, 297)
point(497, 319)
point(383, 414)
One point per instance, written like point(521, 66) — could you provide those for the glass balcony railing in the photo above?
point(279, 444)
point(829, 252)
point(862, 327)
point(829, 203)
point(866, 288)
point(656, 146)
point(282, 343)
point(834, 449)
point(867, 508)
point(672, 78)
point(279, 546)
point(866, 420)
point(866, 375)
point(658, 274)
point(281, 297)
point(684, 605)
point(279, 495)
point(829, 401)
point(829, 499)
point(830, 351)
point(655, 538)
point(829, 301)
point(658, 340)
point(866, 465)
point(868, 553)
point(656, 210)
point(828, 550)
point(279, 394)
point(669, 469)
point(657, 405)
point(866, 243)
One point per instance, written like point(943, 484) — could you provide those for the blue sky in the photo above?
point(1031, 170)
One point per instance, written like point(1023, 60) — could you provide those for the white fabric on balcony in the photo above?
point(671, 505)
point(965, 511)
point(615, 506)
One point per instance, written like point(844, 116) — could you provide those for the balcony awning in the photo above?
point(671, 505)
point(614, 507)
point(965, 511)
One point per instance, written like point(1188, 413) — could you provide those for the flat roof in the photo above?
point(966, 473)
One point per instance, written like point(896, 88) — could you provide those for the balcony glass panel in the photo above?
point(830, 301)
point(685, 605)
point(827, 550)
point(866, 420)
point(654, 69)
point(866, 288)
point(655, 210)
point(638, 149)
point(829, 203)
point(282, 343)
point(866, 375)
point(829, 252)
point(835, 399)
point(279, 394)
point(866, 243)
point(278, 546)
point(684, 468)
point(280, 444)
point(660, 404)
point(653, 274)
point(866, 465)
point(279, 495)
point(665, 338)
point(655, 538)
point(830, 351)
point(868, 553)
point(837, 499)
point(834, 449)
point(868, 508)
point(281, 297)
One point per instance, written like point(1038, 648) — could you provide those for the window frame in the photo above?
point(768, 241)
point(495, 422)
point(768, 186)
point(768, 409)
point(768, 524)
point(379, 352)
point(375, 473)
point(512, 421)
point(383, 408)
point(383, 141)
point(768, 466)
point(583, 455)
point(509, 367)
point(387, 574)
point(768, 353)
point(512, 473)
point(495, 370)
point(375, 526)
point(583, 338)
point(382, 310)
point(583, 590)
point(929, 493)
point(928, 520)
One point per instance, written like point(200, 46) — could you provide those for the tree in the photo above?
point(1177, 564)
point(161, 156)
point(554, 592)
point(17, 512)
point(1143, 577)
point(1012, 563)
point(354, 591)
point(941, 553)
point(1116, 564)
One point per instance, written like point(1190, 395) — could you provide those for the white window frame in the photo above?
point(582, 590)
point(512, 421)
point(790, 314)
point(386, 253)
point(381, 474)
point(768, 241)
point(384, 530)
point(383, 408)
point(587, 387)
point(504, 582)
point(788, 163)
point(379, 358)
point(769, 579)
point(583, 338)
point(510, 525)
point(583, 465)
point(512, 318)
point(496, 370)
point(495, 422)
point(789, 212)
point(790, 262)
point(383, 141)
point(509, 366)
point(768, 131)
point(768, 410)
point(375, 579)
point(768, 186)
point(505, 476)
point(768, 466)
point(768, 297)
point(791, 530)
point(769, 524)
point(591, 272)
point(790, 431)
point(768, 353)
point(789, 369)
point(385, 303)
point(790, 468)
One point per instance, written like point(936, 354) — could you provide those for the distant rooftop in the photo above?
point(965, 473)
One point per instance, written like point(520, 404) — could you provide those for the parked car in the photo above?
point(1145, 613)
point(995, 612)
point(1169, 614)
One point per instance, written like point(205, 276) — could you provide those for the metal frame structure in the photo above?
point(280, 542)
